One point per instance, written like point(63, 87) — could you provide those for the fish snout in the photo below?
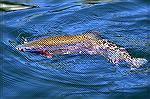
point(22, 48)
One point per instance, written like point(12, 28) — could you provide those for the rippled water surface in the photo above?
point(27, 75)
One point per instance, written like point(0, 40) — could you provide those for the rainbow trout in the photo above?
point(87, 43)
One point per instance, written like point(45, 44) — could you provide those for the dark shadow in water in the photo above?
point(138, 95)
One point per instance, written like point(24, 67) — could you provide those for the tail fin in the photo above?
point(137, 62)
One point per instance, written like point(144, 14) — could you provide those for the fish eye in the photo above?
point(22, 49)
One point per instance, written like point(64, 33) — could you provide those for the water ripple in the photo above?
point(68, 76)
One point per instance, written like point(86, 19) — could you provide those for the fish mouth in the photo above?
point(23, 48)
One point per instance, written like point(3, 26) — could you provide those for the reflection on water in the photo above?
point(19, 1)
point(9, 6)
point(97, 1)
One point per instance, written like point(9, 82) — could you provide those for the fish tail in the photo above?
point(137, 62)
point(133, 62)
point(122, 55)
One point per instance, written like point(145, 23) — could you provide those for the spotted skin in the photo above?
point(87, 43)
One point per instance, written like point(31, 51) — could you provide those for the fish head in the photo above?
point(23, 48)
point(40, 51)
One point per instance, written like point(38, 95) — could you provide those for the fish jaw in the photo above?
point(23, 48)
point(28, 47)
point(41, 51)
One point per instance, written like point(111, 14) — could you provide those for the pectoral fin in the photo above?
point(45, 53)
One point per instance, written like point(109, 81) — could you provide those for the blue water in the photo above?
point(26, 75)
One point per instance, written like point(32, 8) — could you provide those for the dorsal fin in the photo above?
point(93, 34)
